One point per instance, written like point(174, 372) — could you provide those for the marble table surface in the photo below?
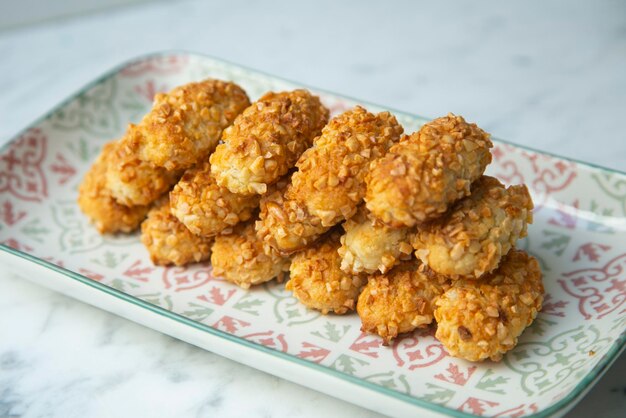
point(550, 75)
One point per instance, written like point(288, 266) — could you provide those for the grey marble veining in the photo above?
point(551, 75)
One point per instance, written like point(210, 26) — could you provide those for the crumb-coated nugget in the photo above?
point(205, 208)
point(427, 171)
point(400, 300)
point(96, 201)
point(133, 181)
point(480, 319)
point(266, 140)
point(318, 282)
point(285, 224)
point(330, 180)
point(169, 242)
point(477, 232)
point(185, 124)
point(242, 258)
point(369, 246)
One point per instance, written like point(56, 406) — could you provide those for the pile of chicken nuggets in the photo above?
point(404, 229)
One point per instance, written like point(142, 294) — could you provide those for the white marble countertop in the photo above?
point(550, 75)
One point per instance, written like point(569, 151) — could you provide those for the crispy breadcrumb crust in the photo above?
point(317, 281)
point(96, 201)
point(480, 319)
point(242, 258)
point(185, 124)
point(400, 300)
point(285, 224)
point(369, 246)
point(133, 181)
point(169, 242)
point(330, 181)
point(477, 232)
point(427, 171)
point(266, 140)
point(205, 208)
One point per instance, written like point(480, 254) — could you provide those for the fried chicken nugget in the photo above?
point(243, 259)
point(479, 230)
point(169, 242)
point(400, 300)
point(205, 208)
point(317, 281)
point(483, 319)
point(185, 124)
point(427, 171)
point(266, 140)
point(133, 181)
point(97, 202)
point(285, 224)
point(330, 180)
point(369, 246)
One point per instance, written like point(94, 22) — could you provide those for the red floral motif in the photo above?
point(21, 172)
point(230, 324)
point(8, 214)
point(553, 307)
point(217, 296)
point(91, 274)
point(590, 251)
point(162, 65)
point(138, 271)
point(456, 375)
point(417, 354)
point(269, 339)
point(599, 291)
point(63, 168)
point(503, 168)
point(149, 89)
point(367, 344)
point(181, 279)
point(518, 411)
point(313, 352)
point(551, 173)
point(13, 243)
point(477, 406)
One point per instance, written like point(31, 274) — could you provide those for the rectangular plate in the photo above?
point(578, 236)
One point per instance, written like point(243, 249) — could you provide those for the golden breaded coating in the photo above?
point(185, 124)
point(400, 300)
point(330, 180)
point(480, 319)
point(169, 242)
point(96, 201)
point(477, 232)
point(266, 140)
point(242, 258)
point(285, 224)
point(133, 181)
point(422, 175)
point(317, 281)
point(369, 246)
point(205, 208)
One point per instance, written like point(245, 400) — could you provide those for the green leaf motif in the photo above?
point(391, 381)
point(557, 242)
point(539, 326)
point(437, 394)
point(249, 304)
point(93, 112)
point(35, 230)
point(331, 332)
point(490, 383)
point(84, 150)
point(122, 285)
point(110, 259)
point(158, 299)
point(198, 313)
point(348, 364)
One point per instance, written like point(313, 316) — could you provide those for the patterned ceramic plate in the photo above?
point(578, 236)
